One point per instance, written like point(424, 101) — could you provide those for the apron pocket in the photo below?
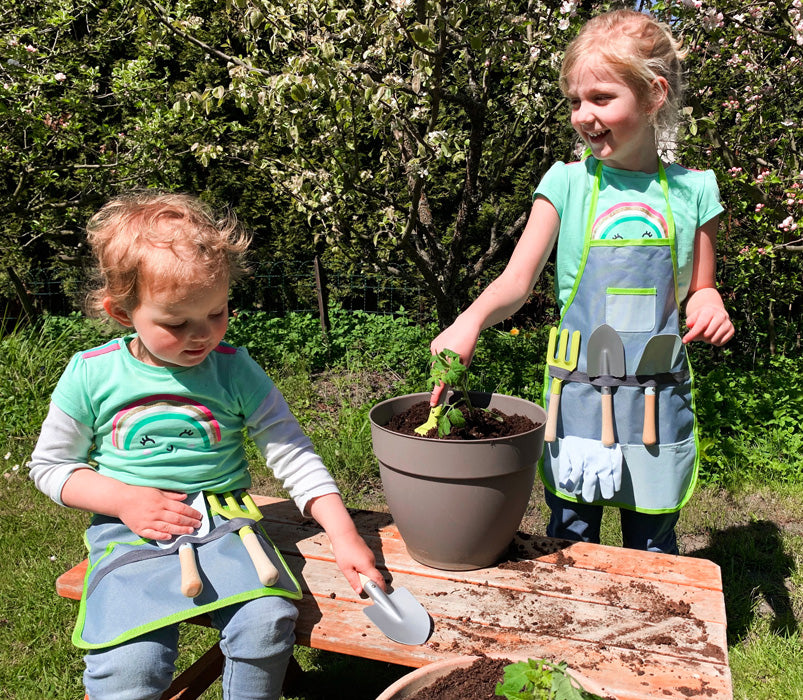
point(659, 478)
point(631, 310)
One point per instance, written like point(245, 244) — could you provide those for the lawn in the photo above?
point(746, 515)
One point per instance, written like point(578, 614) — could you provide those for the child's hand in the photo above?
point(157, 514)
point(709, 323)
point(460, 339)
point(148, 512)
point(353, 557)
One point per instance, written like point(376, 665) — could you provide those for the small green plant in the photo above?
point(539, 679)
point(446, 368)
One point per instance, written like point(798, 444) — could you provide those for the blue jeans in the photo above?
point(256, 638)
point(581, 522)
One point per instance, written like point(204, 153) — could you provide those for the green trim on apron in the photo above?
point(131, 586)
point(626, 284)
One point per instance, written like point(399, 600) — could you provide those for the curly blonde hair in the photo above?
point(165, 240)
point(638, 49)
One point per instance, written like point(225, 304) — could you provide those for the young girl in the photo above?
point(635, 240)
point(139, 423)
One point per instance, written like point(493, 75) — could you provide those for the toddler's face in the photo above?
point(180, 328)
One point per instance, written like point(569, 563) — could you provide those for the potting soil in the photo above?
point(480, 424)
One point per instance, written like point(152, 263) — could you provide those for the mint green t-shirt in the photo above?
point(631, 205)
point(178, 428)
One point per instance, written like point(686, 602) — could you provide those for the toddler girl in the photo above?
point(142, 422)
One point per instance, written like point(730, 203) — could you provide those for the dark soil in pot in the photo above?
point(477, 682)
point(480, 424)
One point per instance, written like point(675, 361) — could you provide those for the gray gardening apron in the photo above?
point(132, 586)
point(631, 285)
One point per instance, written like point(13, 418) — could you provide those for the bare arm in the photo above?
point(352, 555)
point(508, 292)
point(706, 316)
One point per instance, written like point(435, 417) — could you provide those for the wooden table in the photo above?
point(643, 625)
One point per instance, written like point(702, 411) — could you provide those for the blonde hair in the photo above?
point(638, 49)
point(164, 240)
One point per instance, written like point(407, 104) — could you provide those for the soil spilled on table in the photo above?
point(476, 682)
point(481, 424)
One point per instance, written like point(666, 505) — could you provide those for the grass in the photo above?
point(746, 515)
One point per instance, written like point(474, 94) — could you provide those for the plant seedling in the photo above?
point(539, 679)
point(446, 368)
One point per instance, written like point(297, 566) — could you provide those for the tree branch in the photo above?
point(162, 16)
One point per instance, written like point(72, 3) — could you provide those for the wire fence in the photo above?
point(274, 287)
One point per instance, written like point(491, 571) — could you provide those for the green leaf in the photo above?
point(456, 418)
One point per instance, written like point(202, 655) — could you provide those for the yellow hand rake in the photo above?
point(266, 571)
point(562, 361)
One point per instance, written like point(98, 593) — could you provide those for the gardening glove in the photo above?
point(571, 461)
point(603, 470)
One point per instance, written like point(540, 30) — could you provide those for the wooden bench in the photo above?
point(644, 625)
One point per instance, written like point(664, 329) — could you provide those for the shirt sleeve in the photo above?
point(710, 204)
point(63, 448)
point(554, 186)
point(72, 394)
point(288, 451)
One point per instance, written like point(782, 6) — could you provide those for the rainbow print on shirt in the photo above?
point(628, 221)
point(164, 423)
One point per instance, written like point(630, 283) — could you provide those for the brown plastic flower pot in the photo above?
point(457, 503)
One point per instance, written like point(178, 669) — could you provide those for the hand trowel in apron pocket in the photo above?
point(398, 615)
point(659, 355)
point(606, 359)
point(191, 584)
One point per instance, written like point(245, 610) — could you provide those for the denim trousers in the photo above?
point(256, 638)
point(581, 522)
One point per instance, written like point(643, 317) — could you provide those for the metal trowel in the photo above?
point(398, 615)
point(606, 358)
point(659, 355)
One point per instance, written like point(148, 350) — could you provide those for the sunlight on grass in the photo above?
point(768, 667)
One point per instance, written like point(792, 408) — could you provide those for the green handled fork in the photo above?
point(268, 574)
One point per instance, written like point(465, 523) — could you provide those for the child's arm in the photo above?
point(147, 511)
point(59, 468)
point(352, 555)
point(706, 316)
point(289, 453)
point(508, 292)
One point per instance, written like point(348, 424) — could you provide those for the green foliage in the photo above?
point(377, 134)
point(383, 342)
point(743, 119)
point(33, 360)
point(540, 679)
point(750, 421)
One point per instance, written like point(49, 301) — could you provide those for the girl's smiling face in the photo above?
point(610, 118)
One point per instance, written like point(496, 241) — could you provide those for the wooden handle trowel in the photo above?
point(398, 615)
point(660, 354)
point(191, 584)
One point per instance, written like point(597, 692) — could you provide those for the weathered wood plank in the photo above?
point(626, 673)
point(553, 576)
